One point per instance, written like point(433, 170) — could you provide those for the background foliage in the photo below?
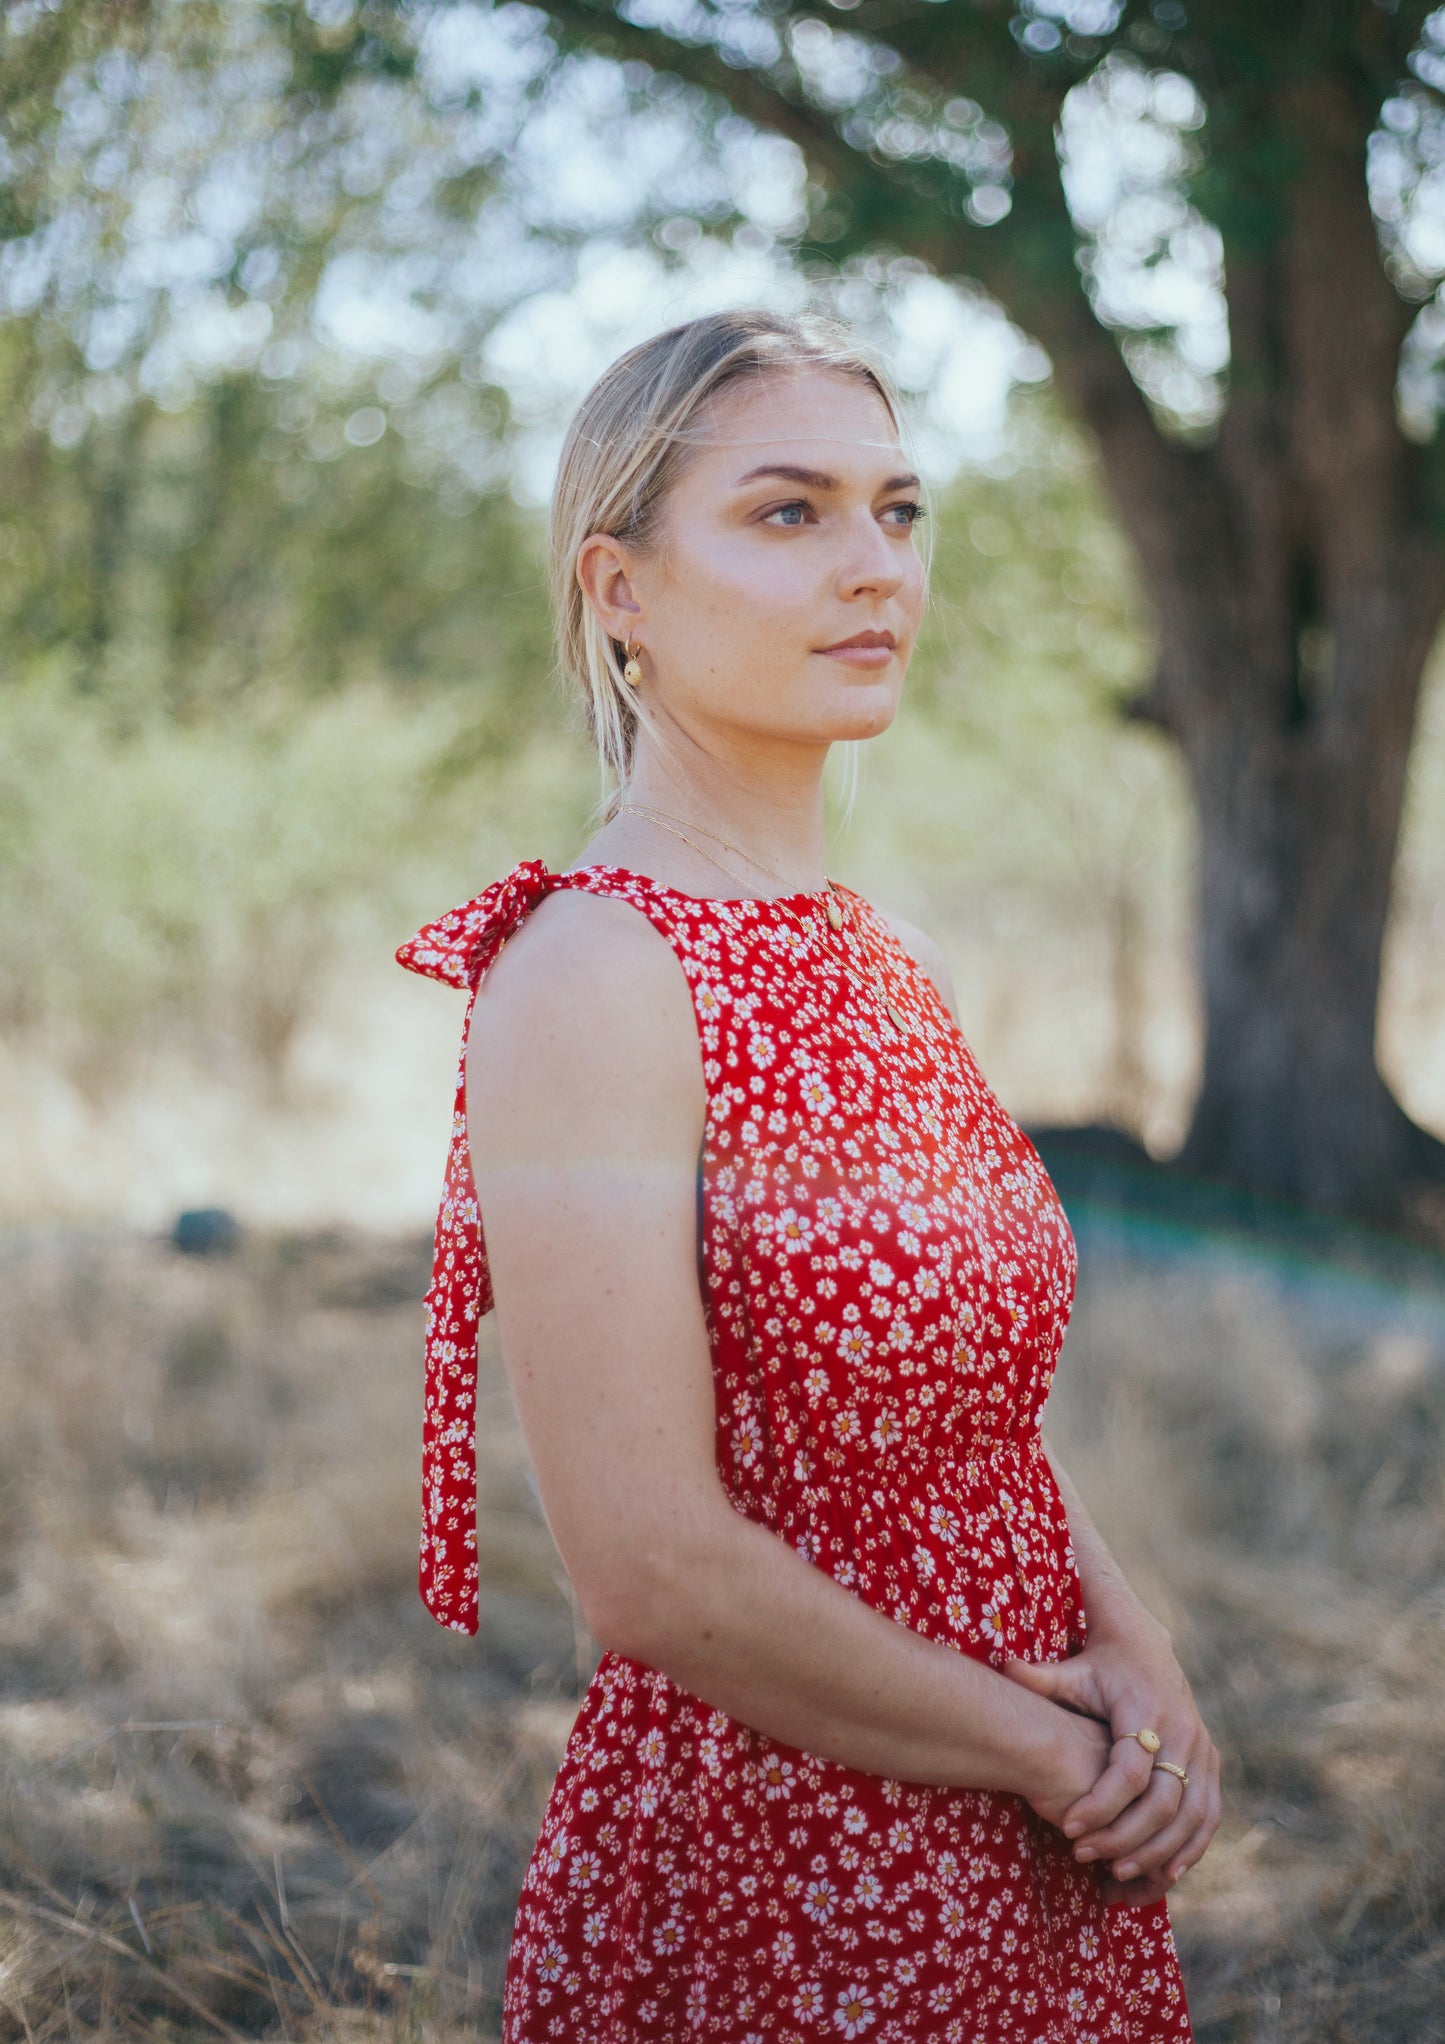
point(277, 679)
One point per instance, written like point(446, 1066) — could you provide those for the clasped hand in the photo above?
point(1137, 1816)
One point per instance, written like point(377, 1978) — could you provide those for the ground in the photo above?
point(250, 1789)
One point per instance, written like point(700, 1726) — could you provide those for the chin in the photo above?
point(864, 714)
point(841, 715)
point(861, 724)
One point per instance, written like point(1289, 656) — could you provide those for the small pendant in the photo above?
point(834, 913)
point(895, 1018)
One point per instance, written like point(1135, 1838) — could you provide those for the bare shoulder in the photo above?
point(922, 947)
point(585, 1015)
point(574, 940)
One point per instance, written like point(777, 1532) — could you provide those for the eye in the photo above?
point(914, 510)
point(779, 510)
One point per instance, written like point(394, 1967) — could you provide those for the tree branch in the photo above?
point(1343, 323)
point(1028, 262)
point(765, 101)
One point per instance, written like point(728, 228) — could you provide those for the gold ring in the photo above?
point(1150, 1741)
point(1172, 1767)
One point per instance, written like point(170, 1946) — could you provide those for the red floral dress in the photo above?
point(888, 1277)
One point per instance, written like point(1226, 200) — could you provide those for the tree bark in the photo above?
point(1297, 572)
point(1297, 840)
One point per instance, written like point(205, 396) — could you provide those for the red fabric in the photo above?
point(457, 949)
point(888, 1277)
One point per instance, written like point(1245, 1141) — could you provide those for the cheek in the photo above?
point(744, 580)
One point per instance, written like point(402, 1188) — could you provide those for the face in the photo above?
point(788, 535)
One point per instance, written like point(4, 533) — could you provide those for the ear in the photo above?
point(604, 574)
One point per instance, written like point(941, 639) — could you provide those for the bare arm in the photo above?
point(586, 1105)
point(1135, 1816)
point(1109, 1602)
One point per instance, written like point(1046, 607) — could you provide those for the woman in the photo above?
point(780, 1290)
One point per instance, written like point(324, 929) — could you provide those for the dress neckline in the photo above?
point(814, 894)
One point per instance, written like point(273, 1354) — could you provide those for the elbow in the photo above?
point(625, 1616)
point(658, 1596)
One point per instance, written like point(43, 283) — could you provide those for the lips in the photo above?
point(861, 639)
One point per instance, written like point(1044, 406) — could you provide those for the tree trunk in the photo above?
point(1297, 573)
point(1297, 840)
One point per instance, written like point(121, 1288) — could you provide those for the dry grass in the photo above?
point(1263, 1448)
point(249, 1789)
point(248, 1785)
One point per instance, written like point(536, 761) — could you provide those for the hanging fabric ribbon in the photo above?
point(457, 949)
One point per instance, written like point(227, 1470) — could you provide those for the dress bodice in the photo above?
point(887, 1271)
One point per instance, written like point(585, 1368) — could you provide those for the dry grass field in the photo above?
point(248, 1789)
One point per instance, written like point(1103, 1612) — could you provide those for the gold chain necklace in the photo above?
point(665, 816)
point(831, 906)
point(673, 823)
point(655, 815)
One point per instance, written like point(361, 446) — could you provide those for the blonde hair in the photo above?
point(626, 446)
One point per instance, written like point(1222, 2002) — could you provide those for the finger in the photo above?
point(1126, 1777)
point(1033, 1674)
point(1144, 1856)
point(1132, 1894)
point(1153, 1854)
point(1142, 1769)
point(1064, 1682)
point(1136, 1894)
point(1189, 1854)
point(1197, 1844)
point(1138, 1825)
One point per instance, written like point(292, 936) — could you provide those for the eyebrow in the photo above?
point(816, 478)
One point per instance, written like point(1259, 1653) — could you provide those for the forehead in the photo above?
point(801, 409)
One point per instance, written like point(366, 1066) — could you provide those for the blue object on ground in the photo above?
point(206, 1231)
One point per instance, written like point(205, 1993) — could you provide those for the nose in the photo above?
point(871, 560)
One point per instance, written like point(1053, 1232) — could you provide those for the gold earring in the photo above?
point(632, 672)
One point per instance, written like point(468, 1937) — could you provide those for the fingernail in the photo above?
point(1126, 1870)
point(1085, 1852)
point(1072, 1830)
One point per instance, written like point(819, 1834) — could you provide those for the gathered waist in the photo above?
point(934, 1456)
point(978, 1554)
